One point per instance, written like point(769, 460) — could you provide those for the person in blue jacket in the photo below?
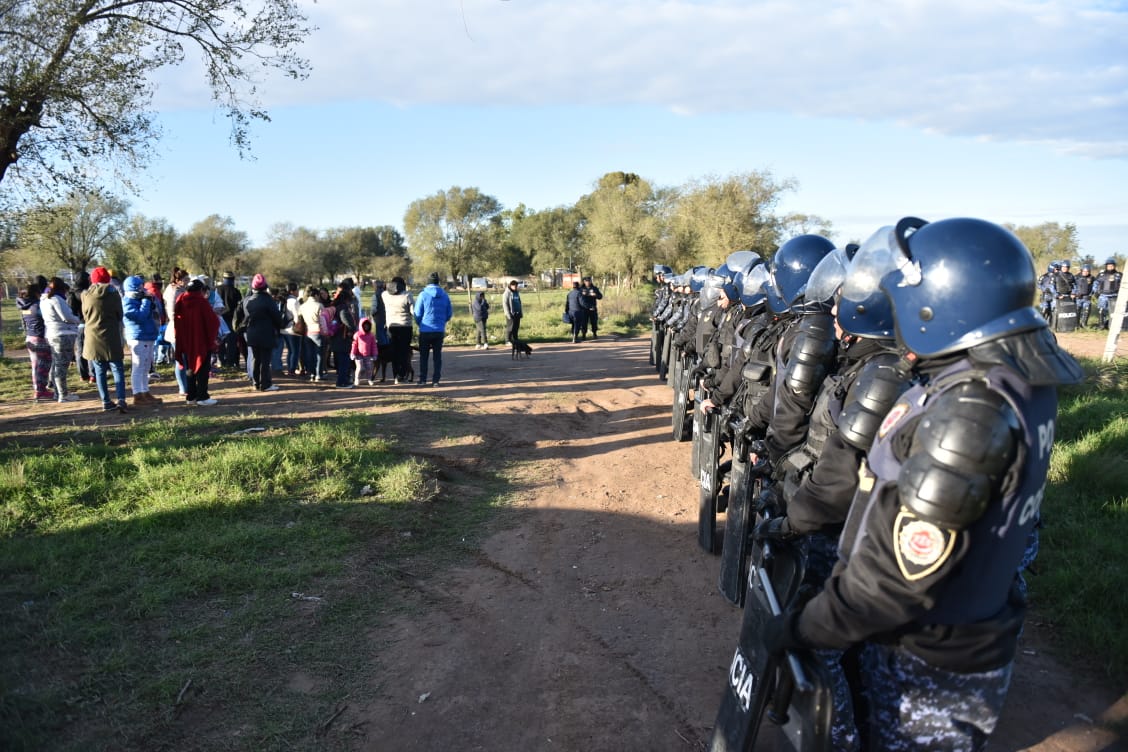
point(432, 312)
point(142, 324)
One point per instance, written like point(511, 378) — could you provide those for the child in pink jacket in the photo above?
point(364, 352)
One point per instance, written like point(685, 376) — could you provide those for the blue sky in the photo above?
point(1013, 111)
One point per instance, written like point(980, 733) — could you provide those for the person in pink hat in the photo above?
point(263, 321)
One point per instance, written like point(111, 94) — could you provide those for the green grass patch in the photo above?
point(186, 552)
point(1081, 585)
point(625, 312)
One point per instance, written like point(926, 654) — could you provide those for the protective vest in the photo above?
point(761, 336)
point(1083, 286)
point(1108, 283)
point(824, 419)
point(979, 587)
point(1063, 283)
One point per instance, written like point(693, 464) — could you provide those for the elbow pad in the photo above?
point(812, 355)
point(961, 451)
point(872, 397)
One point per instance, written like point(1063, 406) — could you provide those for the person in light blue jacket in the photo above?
point(432, 312)
point(142, 323)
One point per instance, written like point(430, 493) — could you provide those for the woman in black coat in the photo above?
point(262, 321)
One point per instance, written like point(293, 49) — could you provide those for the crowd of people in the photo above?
point(876, 441)
point(200, 328)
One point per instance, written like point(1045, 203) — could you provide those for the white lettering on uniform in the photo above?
point(1045, 439)
point(1031, 506)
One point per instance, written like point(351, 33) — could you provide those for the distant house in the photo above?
point(480, 283)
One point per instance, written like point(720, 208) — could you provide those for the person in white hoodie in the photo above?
point(61, 326)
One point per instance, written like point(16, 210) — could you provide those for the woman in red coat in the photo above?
point(197, 328)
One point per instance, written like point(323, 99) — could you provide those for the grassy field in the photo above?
point(1080, 584)
point(204, 558)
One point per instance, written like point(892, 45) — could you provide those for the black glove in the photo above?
point(782, 633)
point(769, 501)
point(777, 528)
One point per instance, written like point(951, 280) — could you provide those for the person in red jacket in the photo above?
point(197, 330)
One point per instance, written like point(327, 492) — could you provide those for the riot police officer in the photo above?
point(1107, 286)
point(1083, 294)
point(927, 580)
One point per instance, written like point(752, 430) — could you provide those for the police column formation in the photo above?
point(871, 445)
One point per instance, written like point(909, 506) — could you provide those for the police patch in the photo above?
point(895, 414)
point(921, 547)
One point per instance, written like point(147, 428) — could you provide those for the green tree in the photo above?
point(453, 231)
point(712, 217)
point(75, 232)
point(213, 243)
point(292, 254)
point(145, 246)
point(1047, 242)
point(622, 226)
point(551, 239)
point(75, 86)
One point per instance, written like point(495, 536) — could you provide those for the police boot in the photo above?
point(1085, 319)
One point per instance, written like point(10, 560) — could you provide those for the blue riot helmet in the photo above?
point(791, 268)
point(959, 283)
point(826, 279)
point(1086, 268)
point(662, 269)
point(711, 289)
point(740, 261)
point(863, 309)
point(751, 284)
point(697, 277)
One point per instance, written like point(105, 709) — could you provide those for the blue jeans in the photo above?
point(341, 359)
point(429, 341)
point(293, 351)
point(311, 354)
point(118, 370)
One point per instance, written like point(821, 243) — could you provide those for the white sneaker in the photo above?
point(206, 402)
point(272, 388)
point(371, 383)
point(485, 347)
point(72, 397)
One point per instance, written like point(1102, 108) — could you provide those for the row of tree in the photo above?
point(618, 231)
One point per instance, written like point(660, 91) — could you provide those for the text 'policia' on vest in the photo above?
point(871, 445)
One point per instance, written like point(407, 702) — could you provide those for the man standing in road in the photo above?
point(511, 304)
point(589, 295)
point(432, 312)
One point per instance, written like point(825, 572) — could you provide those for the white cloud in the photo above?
point(1040, 71)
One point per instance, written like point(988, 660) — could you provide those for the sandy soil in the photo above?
point(591, 622)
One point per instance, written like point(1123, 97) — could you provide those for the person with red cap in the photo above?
point(103, 346)
point(262, 321)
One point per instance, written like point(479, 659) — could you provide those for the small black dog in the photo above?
point(520, 348)
point(384, 361)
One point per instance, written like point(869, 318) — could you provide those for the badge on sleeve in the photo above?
point(921, 547)
point(892, 417)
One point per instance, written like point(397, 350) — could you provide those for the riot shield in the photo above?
point(655, 341)
point(793, 690)
point(709, 478)
point(682, 415)
point(744, 485)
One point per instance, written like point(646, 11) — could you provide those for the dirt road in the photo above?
point(591, 620)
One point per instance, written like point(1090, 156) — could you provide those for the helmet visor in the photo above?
point(827, 277)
